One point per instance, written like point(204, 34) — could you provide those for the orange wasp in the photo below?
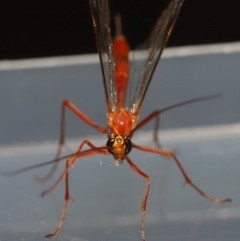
point(123, 105)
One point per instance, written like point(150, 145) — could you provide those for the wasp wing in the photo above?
point(158, 40)
point(101, 20)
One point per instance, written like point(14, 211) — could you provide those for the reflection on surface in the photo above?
point(107, 198)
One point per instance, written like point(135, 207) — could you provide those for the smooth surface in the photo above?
point(107, 198)
point(30, 99)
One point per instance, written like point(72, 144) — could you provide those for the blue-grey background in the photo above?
point(31, 98)
point(205, 137)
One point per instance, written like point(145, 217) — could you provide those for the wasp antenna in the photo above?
point(199, 99)
point(25, 169)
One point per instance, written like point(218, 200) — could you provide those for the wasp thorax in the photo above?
point(119, 147)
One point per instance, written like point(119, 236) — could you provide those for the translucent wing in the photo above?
point(158, 40)
point(101, 20)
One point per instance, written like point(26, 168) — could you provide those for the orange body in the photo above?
point(121, 122)
point(120, 55)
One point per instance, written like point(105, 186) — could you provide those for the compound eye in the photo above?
point(109, 145)
point(128, 148)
